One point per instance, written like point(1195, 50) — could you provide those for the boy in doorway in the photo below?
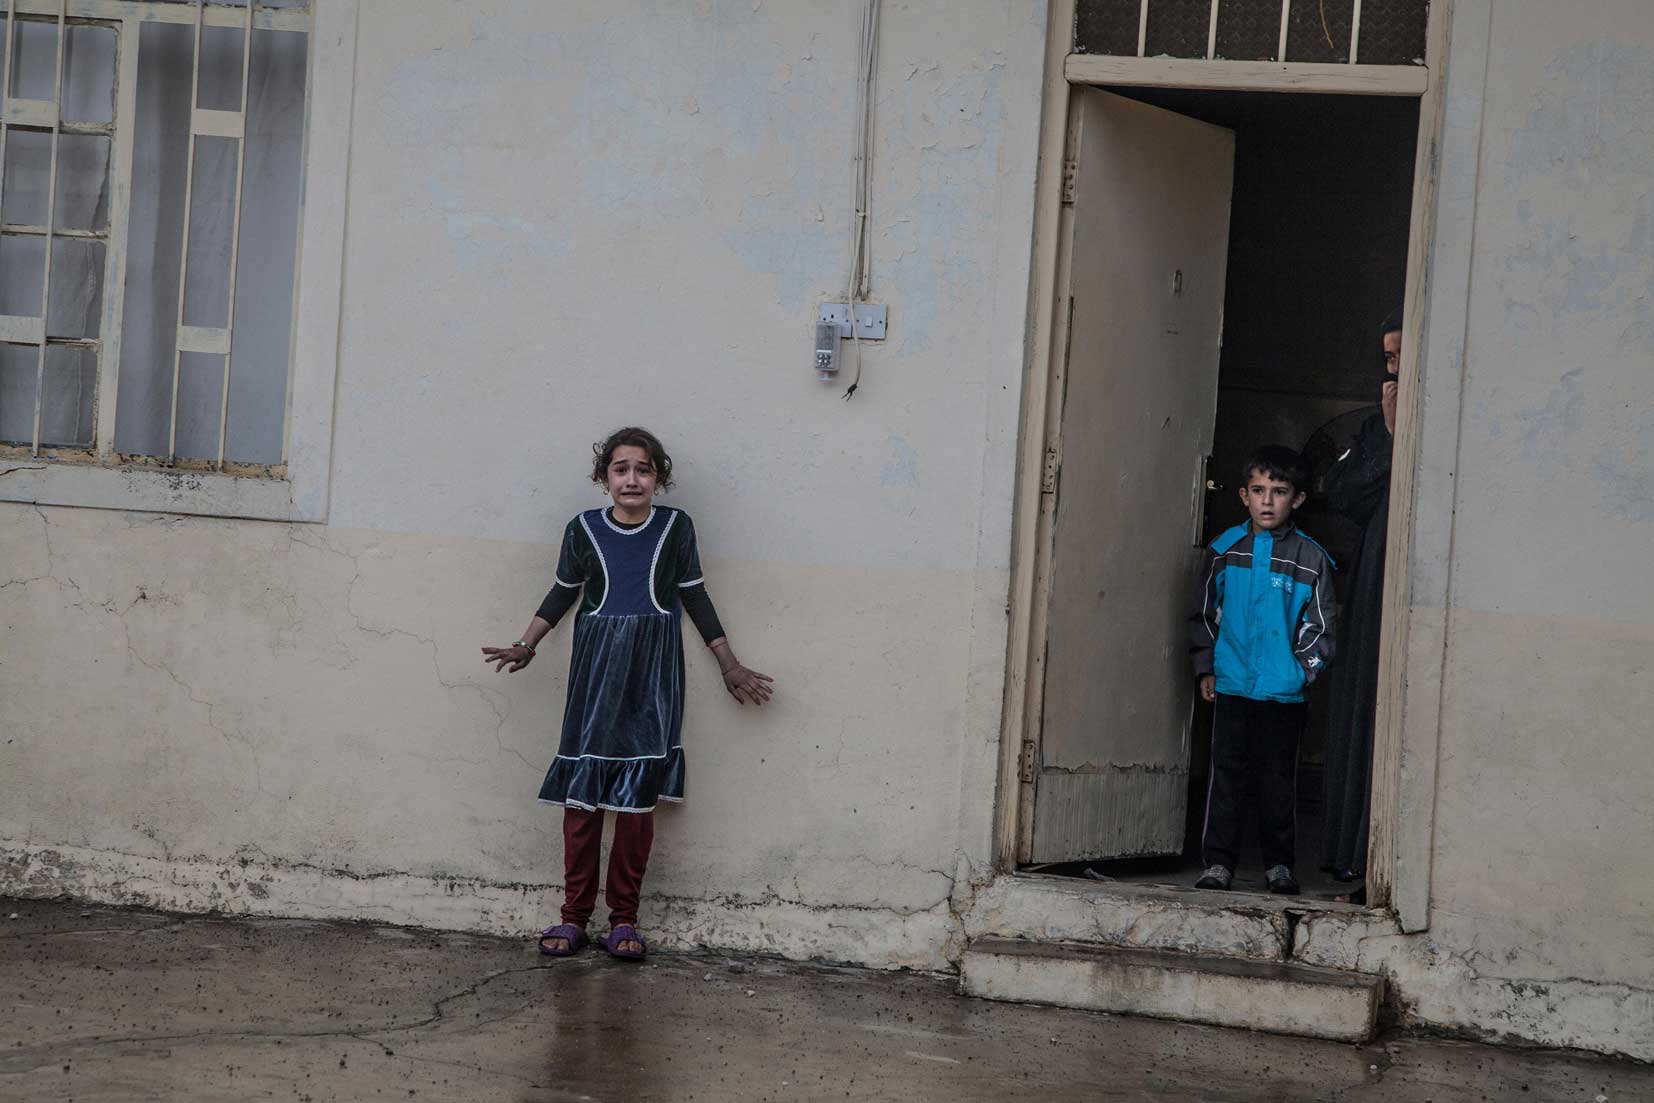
point(1261, 632)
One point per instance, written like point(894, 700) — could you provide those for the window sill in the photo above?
point(158, 490)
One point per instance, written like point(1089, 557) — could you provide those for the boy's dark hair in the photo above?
point(1277, 461)
point(603, 453)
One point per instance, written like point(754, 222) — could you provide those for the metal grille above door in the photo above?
point(1322, 30)
point(1178, 28)
point(1371, 32)
point(1392, 31)
point(1107, 27)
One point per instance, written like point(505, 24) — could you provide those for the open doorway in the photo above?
point(1312, 197)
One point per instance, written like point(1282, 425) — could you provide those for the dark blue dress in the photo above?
point(622, 744)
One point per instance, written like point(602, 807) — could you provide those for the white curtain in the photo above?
point(269, 229)
point(68, 413)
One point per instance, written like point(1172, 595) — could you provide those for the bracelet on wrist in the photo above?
point(524, 644)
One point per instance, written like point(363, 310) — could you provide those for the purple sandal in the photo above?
point(625, 933)
point(574, 936)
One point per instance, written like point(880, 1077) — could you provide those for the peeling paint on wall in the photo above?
point(622, 213)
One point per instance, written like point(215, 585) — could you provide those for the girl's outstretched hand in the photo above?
point(515, 655)
point(747, 686)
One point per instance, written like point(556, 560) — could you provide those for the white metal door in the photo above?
point(1149, 232)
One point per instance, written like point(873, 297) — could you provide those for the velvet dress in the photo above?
point(622, 740)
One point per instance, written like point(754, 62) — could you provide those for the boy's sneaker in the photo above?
point(1281, 881)
point(1217, 877)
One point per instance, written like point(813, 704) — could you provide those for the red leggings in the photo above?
point(628, 858)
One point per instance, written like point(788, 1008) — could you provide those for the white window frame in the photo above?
point(296, 490)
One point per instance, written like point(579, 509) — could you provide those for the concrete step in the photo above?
point(1274, 996)
point(1042, 908)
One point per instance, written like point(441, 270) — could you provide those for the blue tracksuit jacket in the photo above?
point(1265, 614)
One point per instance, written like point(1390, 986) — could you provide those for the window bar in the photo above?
point(235, 230)
point(184, 256)
point(298, 266)
point(1212, 33)
point(1355, 30)
point(1286, 13)
point(14, 330)
point(5, 93)
point(120, 192)
point(1142, 28)
point(51, 220)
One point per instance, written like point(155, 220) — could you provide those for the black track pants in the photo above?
point(1256, 742)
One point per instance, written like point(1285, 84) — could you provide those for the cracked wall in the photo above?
point(559, 224)
point(1540, 886)
point(627, 214)
point(1544, 773)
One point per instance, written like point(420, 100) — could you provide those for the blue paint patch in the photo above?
point(1547, 429)
point(775, 235)
point(1594, 115)
point(632, 122)
point(499, 248)
point(430, 109)
point(1576, 276)
point(953, 127)
point(668, 107)
point(1609, 444)
point(1622, 476)
point(902, 468)
point(1592, 132)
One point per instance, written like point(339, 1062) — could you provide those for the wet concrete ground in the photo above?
point(106, 1004)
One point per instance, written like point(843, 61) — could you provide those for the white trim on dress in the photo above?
point(606, 807)
point(654, 560)
point(619, 758)
point(628, 532)
point(601, 562)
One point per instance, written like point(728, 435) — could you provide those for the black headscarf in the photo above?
point(1392, 324)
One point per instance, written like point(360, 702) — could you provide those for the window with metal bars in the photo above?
point(150, 181)
point(1369, 32)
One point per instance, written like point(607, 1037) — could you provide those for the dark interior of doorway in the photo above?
point(1317, 259)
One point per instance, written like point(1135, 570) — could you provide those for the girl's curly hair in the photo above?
point(603, 453)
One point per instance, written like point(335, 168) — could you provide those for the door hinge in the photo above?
point(1205, 488)
point(1070, 180)
point(1048, 478)
point(1025, 764)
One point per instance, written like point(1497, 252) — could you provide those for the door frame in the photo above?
point(1398, 869)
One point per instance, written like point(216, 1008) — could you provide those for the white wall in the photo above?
point(563, 219)
point(627, 213)
point(1527, 781)
point(1542, 874)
